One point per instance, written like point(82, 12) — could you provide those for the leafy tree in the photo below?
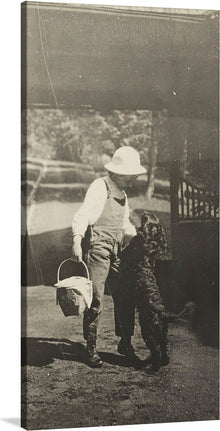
point(132, 128)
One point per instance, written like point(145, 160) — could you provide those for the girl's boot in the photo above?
point(93, 359)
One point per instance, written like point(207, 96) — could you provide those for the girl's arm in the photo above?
point(128, 228)
point(88, 214)
point(91, 209)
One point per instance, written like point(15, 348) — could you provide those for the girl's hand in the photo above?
point(77, 249)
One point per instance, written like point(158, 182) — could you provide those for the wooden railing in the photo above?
point(53, 175)
point(196, 202)
point(191, 201)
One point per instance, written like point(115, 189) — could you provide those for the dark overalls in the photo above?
point(103, 256)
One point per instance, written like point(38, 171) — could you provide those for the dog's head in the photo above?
point(150, 241)
point(149, 224)
point(152, 233)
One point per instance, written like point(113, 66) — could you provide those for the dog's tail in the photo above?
point(187, 313)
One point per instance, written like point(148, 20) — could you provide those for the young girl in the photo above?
point(105, 214)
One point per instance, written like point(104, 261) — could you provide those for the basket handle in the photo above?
point(58, 271)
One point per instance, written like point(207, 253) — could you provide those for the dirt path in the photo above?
point(62, 391)
point(51, 215)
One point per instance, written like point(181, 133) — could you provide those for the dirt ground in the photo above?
point(62, 391)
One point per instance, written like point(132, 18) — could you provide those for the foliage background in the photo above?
point(89, 136)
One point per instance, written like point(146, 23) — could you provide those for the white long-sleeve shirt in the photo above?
point(92, 208)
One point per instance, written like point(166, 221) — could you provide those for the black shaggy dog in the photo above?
point(137, 271)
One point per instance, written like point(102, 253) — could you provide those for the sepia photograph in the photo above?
point(119, 215)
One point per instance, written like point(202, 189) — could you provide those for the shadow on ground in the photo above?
point(40, 352)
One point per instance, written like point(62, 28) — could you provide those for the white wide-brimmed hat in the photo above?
point(126, 161)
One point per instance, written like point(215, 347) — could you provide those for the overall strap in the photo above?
point(120, 201)
point(108, 188)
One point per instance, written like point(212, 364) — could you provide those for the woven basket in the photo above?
point(74, 294)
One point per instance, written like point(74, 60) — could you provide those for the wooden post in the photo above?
point(182, 200)
point(174, 187)
point(153, 154)
point(178, 134)
point(193, 201)
point(176, 141)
